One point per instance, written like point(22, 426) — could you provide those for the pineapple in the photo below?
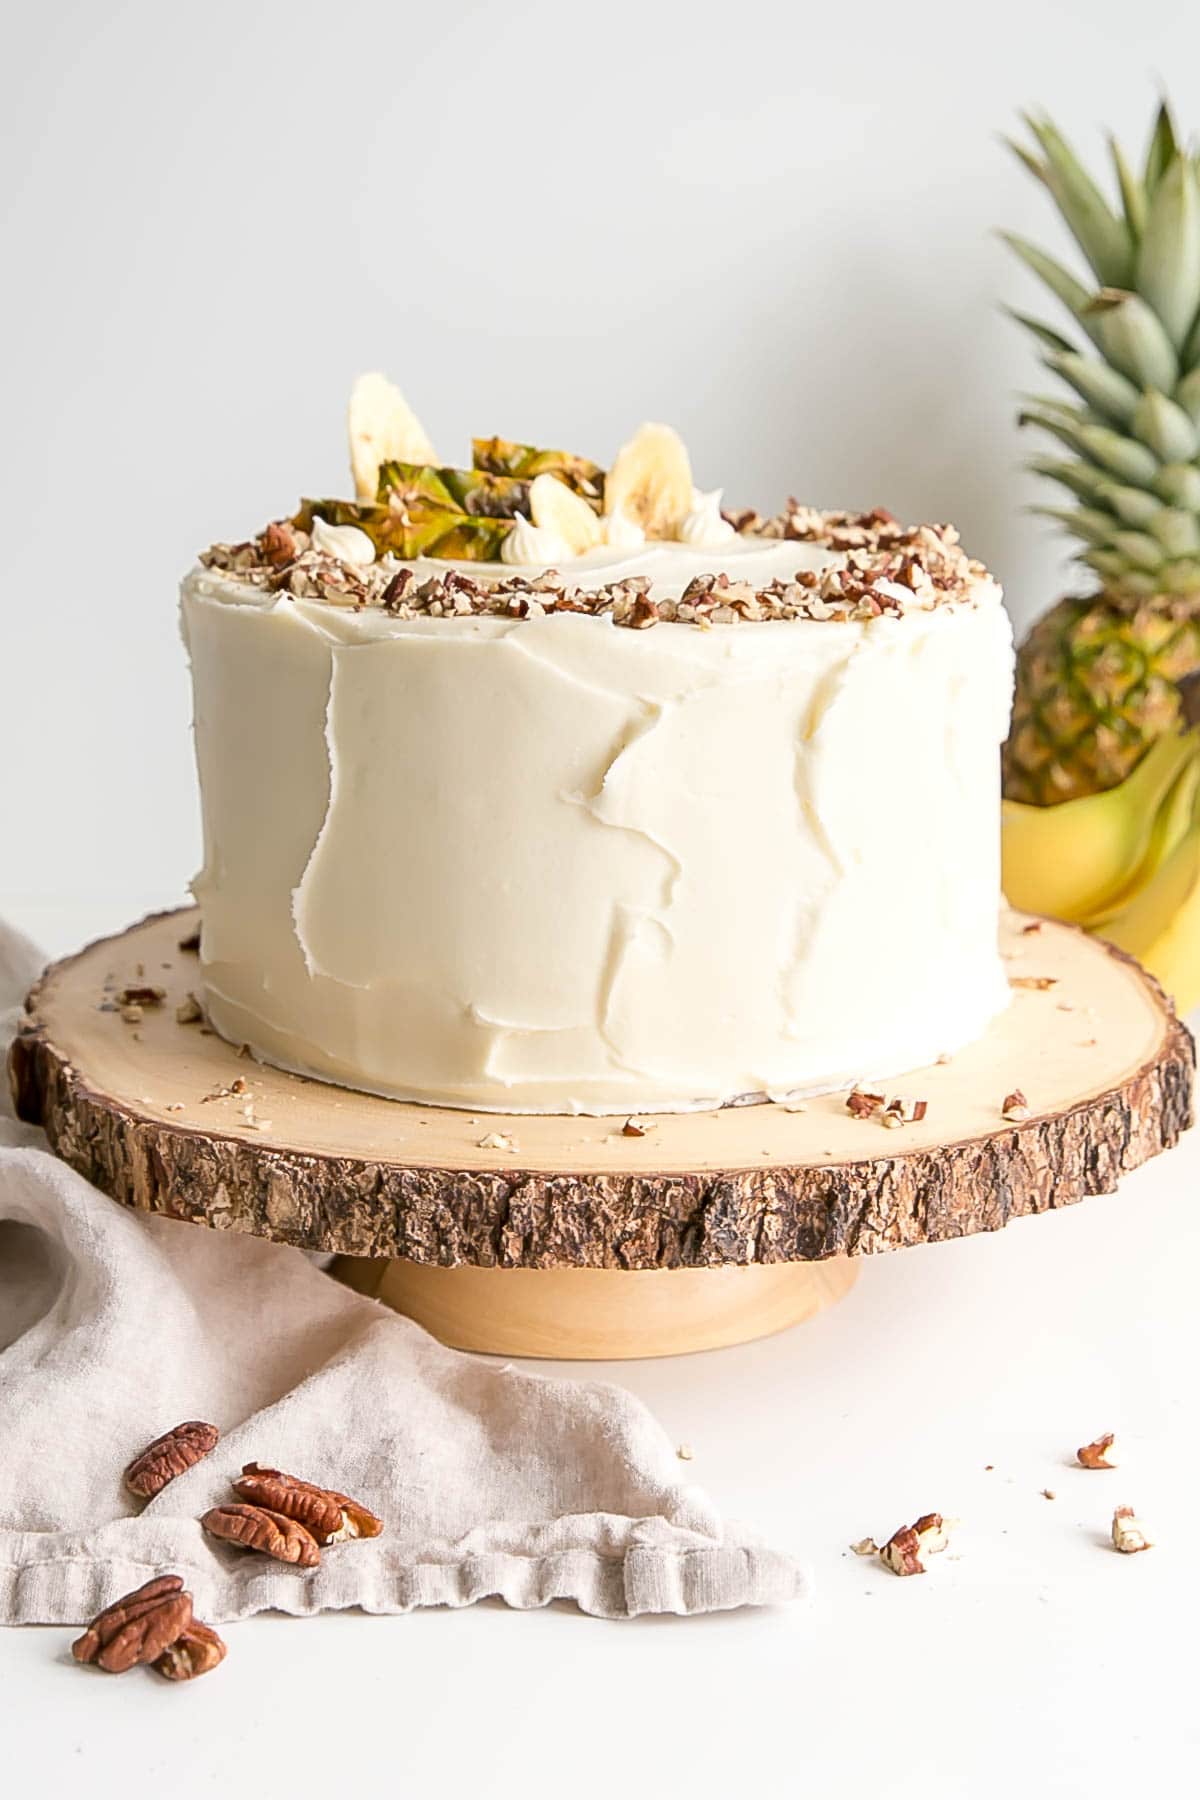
point(1095, 677)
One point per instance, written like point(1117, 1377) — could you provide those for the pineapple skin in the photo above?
point(1095, 687)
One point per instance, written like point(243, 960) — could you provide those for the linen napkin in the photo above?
point(115, 1326)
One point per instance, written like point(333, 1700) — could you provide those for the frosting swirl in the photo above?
point(621, 532)
point(533, 544)
point(704, 528)
point(346, 542)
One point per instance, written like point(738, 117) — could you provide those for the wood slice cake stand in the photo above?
point(580, 1241)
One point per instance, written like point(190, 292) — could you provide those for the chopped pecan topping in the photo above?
point(195, 1651)
point(330, 1517)
point(905, 1549)
point(168, 1456)
point(877, 566)
point(1129, 1535)
point(136, 1628)
point(258, 1528)
point(1015, 1107)
point(278, 544)
point(1099, 1454)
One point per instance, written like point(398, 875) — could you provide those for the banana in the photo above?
point(1171, 822)
point(555, 508)
point(650, 482)
point(1075, 859)
point(1161, 925)
point(383, 428)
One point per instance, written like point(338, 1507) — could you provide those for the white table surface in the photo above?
point(1031, 1659)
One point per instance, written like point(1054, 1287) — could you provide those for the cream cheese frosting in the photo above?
point(543, 864)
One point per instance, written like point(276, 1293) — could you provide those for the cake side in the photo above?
point(546, 864)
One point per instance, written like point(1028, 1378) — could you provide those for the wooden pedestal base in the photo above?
point(612, 1314)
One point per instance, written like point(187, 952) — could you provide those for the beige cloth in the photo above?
point(115, 1326)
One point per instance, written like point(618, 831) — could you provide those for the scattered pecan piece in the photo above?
point(136, 1628)
point(1015, 1107)
point(1033, 926)
point(141, 994)
point(631, 1128)
point(195, 1651)
point(1038, 982)
point(258, 1528)
point(1099, 1454)
point(865, 1547)
point(330, 1517)
point(168, 1456)
point(905, 1549)
point(189, 1011)
point(901, 1111)
point(498, 1140)
point(861, 1104)
point(1129, 1535)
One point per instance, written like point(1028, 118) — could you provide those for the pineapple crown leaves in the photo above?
point(1132, 424)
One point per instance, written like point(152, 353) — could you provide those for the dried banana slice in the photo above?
point(383, 428)
point(555, 508)
point(651, 482)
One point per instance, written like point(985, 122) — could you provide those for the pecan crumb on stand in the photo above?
point(168, 1456)
point(141, 994)
point(1015, 1107)
point(894, 1112)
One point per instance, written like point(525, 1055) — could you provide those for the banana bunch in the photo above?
point(1124, 863)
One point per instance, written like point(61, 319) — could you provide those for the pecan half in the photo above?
point(260, 1528)
point(330, 1517)
point(168, 1456)
point(194, 1652)
point(136, 1628)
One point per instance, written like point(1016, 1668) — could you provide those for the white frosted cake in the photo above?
point(536, 788)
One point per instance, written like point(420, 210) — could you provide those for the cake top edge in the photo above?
point(848, 566)
point(525, 530)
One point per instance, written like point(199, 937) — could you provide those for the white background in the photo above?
point(770, 225)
